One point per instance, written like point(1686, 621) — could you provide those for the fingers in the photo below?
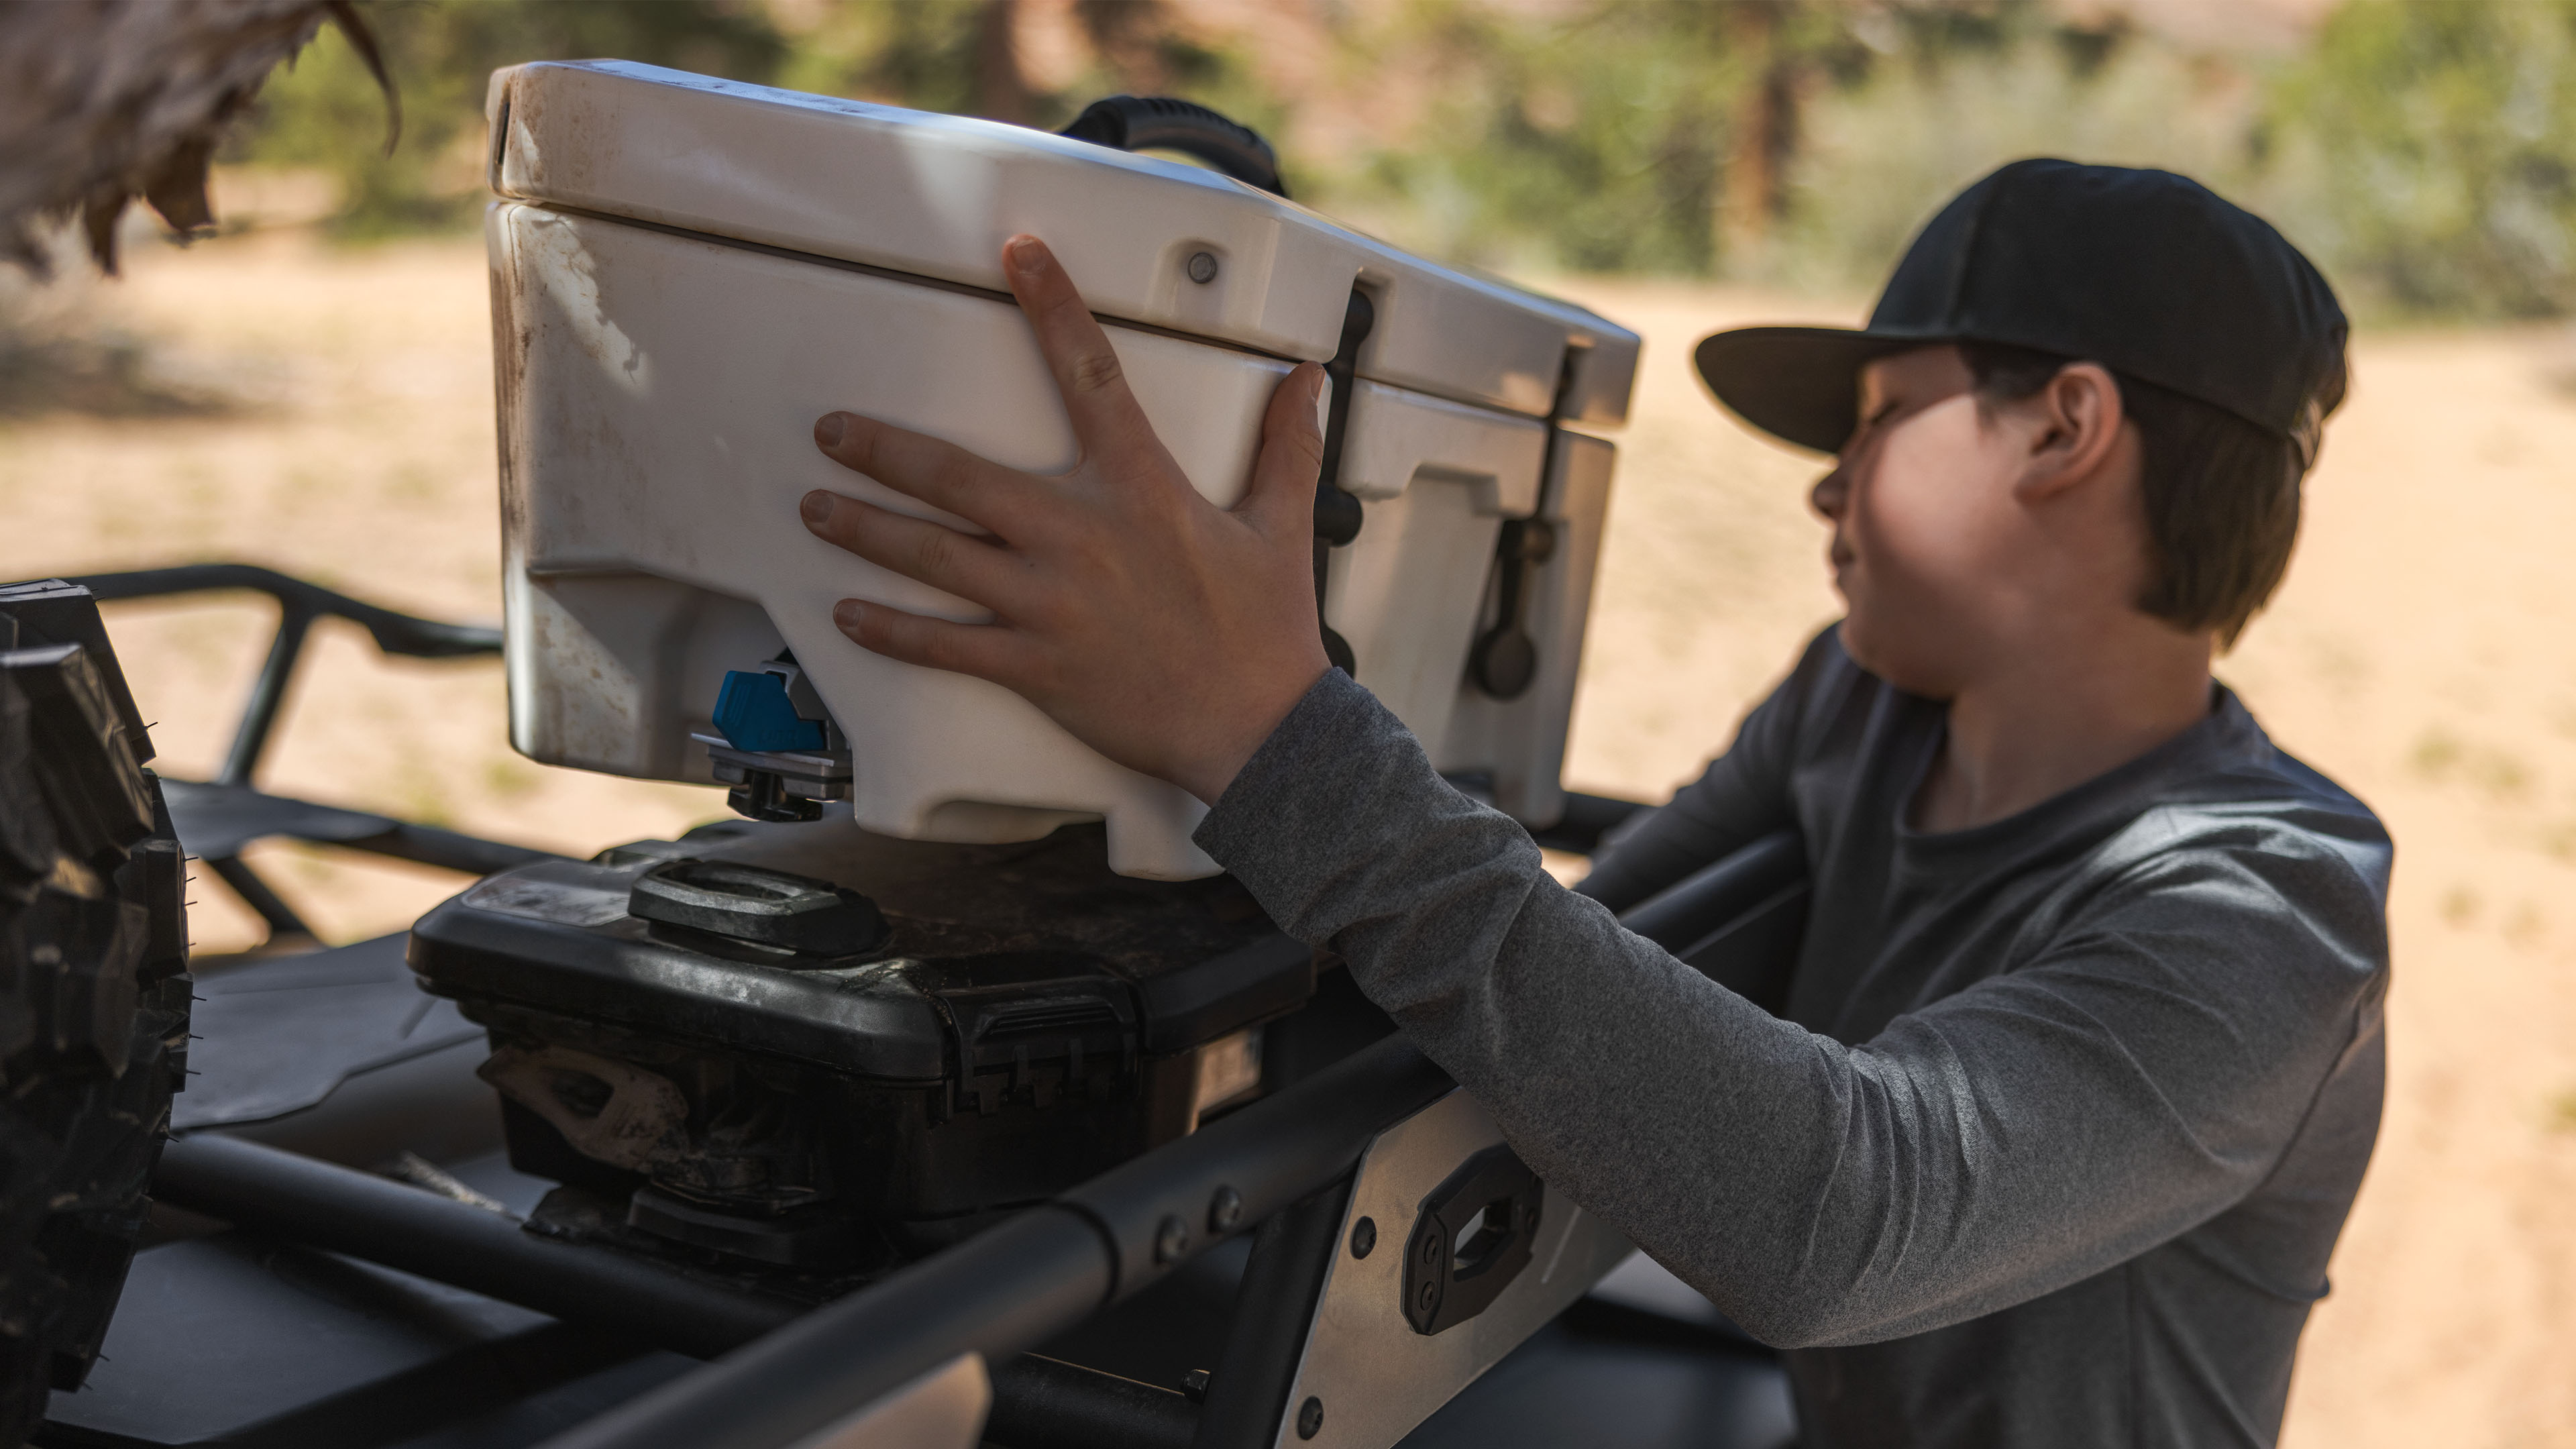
point(985, 651)
point(937, 555)
point(1282, 495)
point(938, 473)
point(1105, 414)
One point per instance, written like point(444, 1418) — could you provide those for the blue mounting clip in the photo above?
point(754, 713)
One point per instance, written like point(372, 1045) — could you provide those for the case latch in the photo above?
point(1029, 1042)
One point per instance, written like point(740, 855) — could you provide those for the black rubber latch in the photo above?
point(1338, 515)
point(1028, 1041)
point(1504, 660)
point(770, 907)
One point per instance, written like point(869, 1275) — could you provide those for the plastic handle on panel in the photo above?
point(1471, 1237)
point(1167, 123)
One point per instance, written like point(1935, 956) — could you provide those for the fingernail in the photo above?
point(828, 429)
point(1026, 253)
point(816, 506)
point(1323, 386)
point(847, 613)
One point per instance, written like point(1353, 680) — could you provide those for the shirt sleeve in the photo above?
point(2139, 1078)
point(1742, 796)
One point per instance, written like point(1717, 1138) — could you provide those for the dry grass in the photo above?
point(2420, 654)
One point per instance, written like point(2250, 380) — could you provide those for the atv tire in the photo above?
point(93, 992)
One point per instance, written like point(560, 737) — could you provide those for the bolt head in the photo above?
point(1363, 1237)
point(1225, 1210)
point(1202, 267)
point(1310, 1418)
point(1171, 1241)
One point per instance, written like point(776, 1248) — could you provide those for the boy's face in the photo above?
point(1925, 523)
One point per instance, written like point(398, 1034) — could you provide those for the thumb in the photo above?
point(1282, 495)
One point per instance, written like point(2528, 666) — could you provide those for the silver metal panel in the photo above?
point(1377, 1378)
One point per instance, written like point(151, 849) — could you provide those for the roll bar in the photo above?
point(217, 817)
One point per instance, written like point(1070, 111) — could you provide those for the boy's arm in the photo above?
point(2009, 1140)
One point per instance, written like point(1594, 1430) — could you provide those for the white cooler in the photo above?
point(686, 272)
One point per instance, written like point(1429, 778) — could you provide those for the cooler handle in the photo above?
point(1141, 123)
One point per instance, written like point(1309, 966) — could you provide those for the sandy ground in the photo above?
point(2420, 654)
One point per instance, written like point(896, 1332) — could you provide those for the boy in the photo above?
point(2080, 1061)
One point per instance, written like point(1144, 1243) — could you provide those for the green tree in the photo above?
point(2439, 140)
point(1621, 135)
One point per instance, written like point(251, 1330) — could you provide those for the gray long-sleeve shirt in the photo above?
point(2065, 1111)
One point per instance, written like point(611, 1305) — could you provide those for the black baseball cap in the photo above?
point(2152, 275)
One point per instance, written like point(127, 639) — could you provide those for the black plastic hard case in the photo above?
point(1029, 1020)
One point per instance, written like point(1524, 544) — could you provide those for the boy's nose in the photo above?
point(1828, 495)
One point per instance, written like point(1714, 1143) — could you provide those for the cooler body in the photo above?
point(687, 273)
point(659, 432)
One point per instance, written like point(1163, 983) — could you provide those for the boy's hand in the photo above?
point(1165, 632)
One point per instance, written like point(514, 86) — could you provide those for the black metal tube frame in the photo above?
point(1587, 818)
point(322, 1205)
point(1283, 1164)
point(1016, 1285)
point(1690, 908)
point(299, 604)
point(1248, 1393)
point(281, 919)
point(289, 1196)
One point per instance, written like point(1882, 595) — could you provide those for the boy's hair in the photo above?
point(2222, 495)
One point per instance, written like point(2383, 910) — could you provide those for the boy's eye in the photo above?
point(1885, 411)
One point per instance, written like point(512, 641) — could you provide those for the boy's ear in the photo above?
point(2075, 426)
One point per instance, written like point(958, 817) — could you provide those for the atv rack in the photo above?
point(1344, 1182)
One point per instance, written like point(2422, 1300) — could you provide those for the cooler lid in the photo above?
point(935, 196)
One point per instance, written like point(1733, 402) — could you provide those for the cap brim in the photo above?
point(1799, 384)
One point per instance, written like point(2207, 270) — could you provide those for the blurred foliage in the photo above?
point(327, 112)
point(920, 55)
point(2441, 137)
point(2423, 150)
point(1674, 136)
point(1598, 144)
point(946, 55)
point(1878, 158)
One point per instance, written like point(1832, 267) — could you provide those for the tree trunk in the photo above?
point(1002, 90)
point(1753, 193)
